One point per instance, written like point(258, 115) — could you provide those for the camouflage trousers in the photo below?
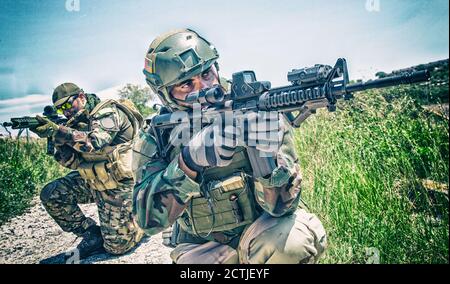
point(296, 238)
point(62, 196)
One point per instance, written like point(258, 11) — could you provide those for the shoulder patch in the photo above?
point(104, 112)
point(107, 118)
point(109, 122)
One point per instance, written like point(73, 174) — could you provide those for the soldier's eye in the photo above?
point(206, 75)
point(186, 84)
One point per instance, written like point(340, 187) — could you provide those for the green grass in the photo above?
point(24, 169)
point(363, 171)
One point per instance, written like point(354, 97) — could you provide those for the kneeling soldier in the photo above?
point(96, 144)
point(222, 212)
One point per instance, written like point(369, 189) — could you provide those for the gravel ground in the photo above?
point(34, 236)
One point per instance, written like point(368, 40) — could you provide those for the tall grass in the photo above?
point(364, 168)
point(24, 169)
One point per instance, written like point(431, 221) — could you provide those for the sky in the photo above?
point(101, 44)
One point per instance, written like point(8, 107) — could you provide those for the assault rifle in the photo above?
point(25, 122)
point(311, 88)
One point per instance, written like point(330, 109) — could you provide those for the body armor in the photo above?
point(105, 169)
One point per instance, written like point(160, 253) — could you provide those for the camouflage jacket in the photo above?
point(110, 126)
point(163, 190)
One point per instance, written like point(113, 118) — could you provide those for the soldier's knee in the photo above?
point(207, 253)
point(306, 241)
point(298, 238)
point(48, 191)
point(303, 245)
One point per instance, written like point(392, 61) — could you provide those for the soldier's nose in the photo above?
point(67, 113)
point(200, 84)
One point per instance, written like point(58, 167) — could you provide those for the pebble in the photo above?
point(34, 236)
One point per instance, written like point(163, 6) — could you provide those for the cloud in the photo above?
point(24, 101)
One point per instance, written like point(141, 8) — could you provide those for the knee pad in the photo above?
point(307, 240)
point(297, 238)
point(48, 191)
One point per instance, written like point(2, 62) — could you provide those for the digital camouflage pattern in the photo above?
point(108, 127)
point(62, 196)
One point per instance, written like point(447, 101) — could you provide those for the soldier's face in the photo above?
point(207, 79)
point(78, 103)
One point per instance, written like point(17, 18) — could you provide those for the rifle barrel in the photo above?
point(404, 78)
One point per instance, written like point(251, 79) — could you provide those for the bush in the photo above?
point(24, 169)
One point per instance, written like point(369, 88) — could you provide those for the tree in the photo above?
point(140, 96)
point(381, 74)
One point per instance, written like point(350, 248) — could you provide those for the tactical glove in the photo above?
point(262, 130)
point(213, 146)
point(46, 128)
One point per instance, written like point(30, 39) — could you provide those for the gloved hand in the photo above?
point(67, 156)
point(47, 128)
point(169, 236)
point(262, 130)
point(213, 146)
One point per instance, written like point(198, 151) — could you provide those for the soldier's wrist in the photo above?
point(189, 161)
point(185, 168)
point(62, 134)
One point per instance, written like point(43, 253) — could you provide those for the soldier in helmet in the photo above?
point(96, 144)
point(220, 210)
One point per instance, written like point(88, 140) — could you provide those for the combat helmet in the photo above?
point(63, 92)
point(175, 57)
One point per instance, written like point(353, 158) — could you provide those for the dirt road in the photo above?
point(34, 236)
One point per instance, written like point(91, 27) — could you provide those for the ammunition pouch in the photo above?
point(109, 172)
point(224, 205)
